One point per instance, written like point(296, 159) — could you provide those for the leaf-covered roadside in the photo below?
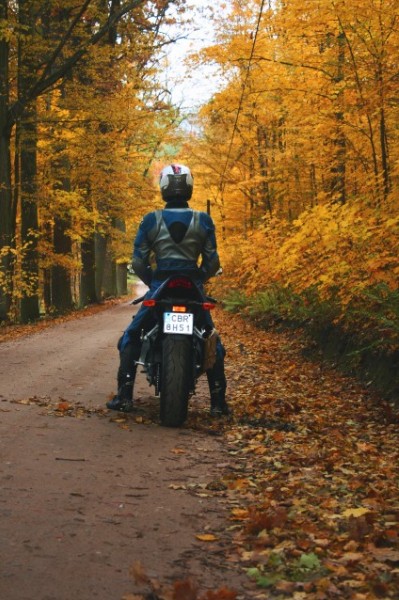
point(315, 487)
point(12, 332)
point(310, 495)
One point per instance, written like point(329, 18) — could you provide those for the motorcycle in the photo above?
point(178, 346)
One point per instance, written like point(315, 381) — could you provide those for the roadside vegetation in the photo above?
point(333, 273)
point(308, 484)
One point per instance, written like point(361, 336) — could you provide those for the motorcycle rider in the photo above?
point(178, 236)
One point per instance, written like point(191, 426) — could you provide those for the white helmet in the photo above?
point(176, 183)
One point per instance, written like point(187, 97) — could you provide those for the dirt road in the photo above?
point(84, 494)
point(295, 496)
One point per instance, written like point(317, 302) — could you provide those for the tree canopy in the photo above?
point(81, 117)
point(296, 154)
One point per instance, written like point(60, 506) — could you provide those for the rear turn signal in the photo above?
point(208, 305)
point(149, 302)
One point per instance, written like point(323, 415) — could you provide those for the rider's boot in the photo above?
point(217, 388)
point(123, 401)
point(219, 405)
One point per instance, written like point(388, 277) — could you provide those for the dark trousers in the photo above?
point(129, 347)
point(129, 352)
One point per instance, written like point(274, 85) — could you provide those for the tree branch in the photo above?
point(47, 81)
point(289, 64)
point(62, 43)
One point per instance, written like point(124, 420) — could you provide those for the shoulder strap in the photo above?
point(158, 225)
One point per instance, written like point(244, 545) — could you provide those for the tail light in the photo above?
point(180, 282)
point(179, 309)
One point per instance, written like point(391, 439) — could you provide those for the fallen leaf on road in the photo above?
point(206, 537)
point(355, 512)
point(222, 594)
point(239, 514)
point(185, 590)
point(138, 573)
point(63, 406)
point(384, 554)
point(350, 557)
point(118, 420)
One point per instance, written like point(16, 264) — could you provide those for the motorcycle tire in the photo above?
point(176, 379)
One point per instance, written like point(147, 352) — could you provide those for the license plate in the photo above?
point(178, 323)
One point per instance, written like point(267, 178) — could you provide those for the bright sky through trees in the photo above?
point(190, 87)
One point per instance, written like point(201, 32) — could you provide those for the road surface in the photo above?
point(85, 494)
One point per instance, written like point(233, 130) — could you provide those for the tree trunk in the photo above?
point(61, 282)
point(88, 275)
point(6, 227)
point(263, 148)
point(100, 243)
point(27, 142)
point(338, 169)
point(26, 137)
point(120, 268)
point(109, 288)
point(121, 279)
point(60, 275)
point(383, 135)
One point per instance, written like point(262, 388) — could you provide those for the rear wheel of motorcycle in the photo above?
point(176, 379)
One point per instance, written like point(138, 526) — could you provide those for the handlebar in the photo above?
point(207, 298)
point(138, 300)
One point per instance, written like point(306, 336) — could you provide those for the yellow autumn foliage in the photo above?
point(339, 250)
point(299, 157)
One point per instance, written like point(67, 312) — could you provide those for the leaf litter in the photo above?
point(312, 488)
point(315, 484)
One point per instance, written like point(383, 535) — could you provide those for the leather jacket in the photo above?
point(181, 239)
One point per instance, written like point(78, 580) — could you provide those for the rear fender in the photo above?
point(192, 290)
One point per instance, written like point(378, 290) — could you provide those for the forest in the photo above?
point(81, 119)
point(296, 156)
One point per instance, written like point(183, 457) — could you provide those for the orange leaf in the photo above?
point(206, 537)
point(222, 594)
point(239, 514)
point(184, 590)
point(138, 573)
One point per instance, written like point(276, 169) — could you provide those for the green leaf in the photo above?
point(309, 561)
point(253, 572)
point(265, 581)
